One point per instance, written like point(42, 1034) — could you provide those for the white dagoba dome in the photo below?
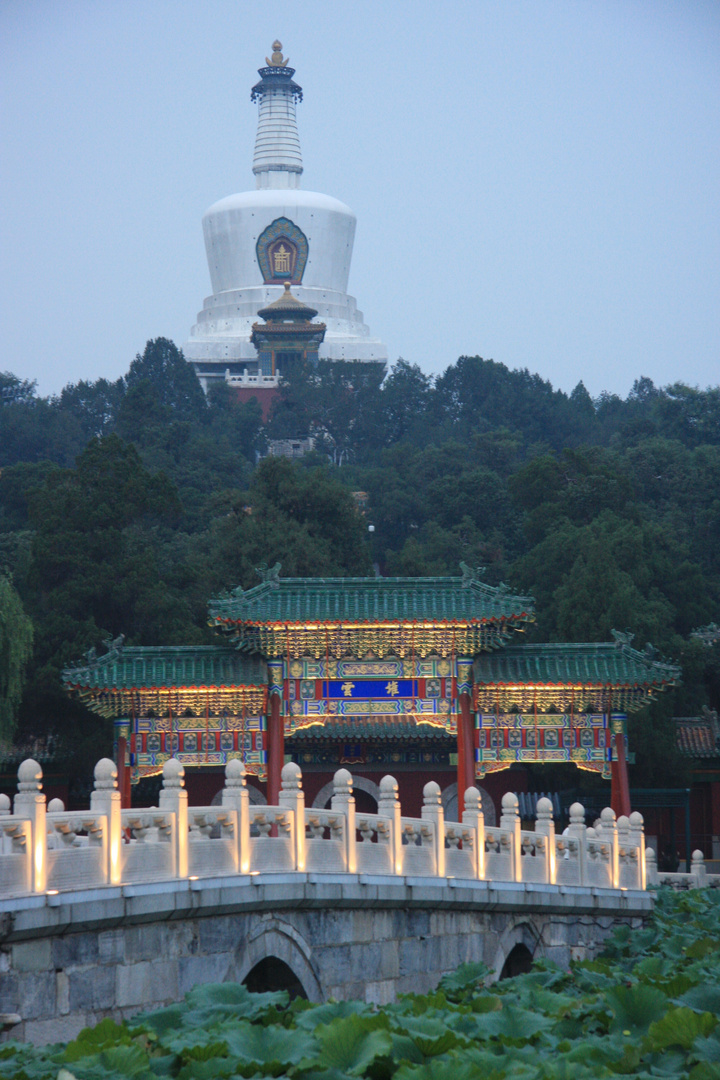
point(257, 240)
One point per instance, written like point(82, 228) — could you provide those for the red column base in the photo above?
point(466, 752)
point(619, 782)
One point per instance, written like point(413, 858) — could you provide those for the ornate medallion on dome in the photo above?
point(282, 251)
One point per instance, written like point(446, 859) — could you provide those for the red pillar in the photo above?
point(466, 752)
point(123, 771)
point(619, 782)
point(276, 749)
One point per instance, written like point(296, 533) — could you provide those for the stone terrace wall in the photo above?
point(116, 951)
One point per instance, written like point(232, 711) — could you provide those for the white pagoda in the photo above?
point(258, 240)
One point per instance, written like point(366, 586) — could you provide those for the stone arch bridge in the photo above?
point(106, 912)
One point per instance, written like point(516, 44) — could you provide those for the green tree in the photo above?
point(16, 638)
point(302, 517)
point(173, 379)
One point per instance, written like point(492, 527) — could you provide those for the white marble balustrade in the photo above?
point(46, 849)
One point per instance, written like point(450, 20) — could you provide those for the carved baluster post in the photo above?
point(651, 864)
point(433, 811)
point(637, 835)
point(292, 799)
point(106, 799)
point(545, 826)
point(510, 822)
point(578, 831)
point(389, 808)
point(235, 796)
point(699, 871)
point(623, 844)
point(343, 802)
point(473, 819)
point(30, 803)
point(174, 799)
point(608, 834)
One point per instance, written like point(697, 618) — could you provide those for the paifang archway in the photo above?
point(416, 668)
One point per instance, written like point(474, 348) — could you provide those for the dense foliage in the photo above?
point(647, 1007)
point(16, 635)
point(124, 505)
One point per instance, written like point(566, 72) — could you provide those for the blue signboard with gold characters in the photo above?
point(315, 689)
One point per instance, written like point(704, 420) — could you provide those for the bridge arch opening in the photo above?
point(271, 973)
point(518, 962)
point(276, 957)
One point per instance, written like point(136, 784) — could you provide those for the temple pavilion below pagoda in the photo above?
point(340, 662)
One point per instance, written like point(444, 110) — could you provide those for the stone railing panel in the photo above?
point(325, 848)
point(15, 848)
point(212, 847)
point(534, 849)
point(568, 867)
point(271, 853)
point(460, 853)
point(418, 847)
point(44, 848)
point(147, 851)
point(629, 856)
point(598, 862)
point(499, 855)
point(374, 850)
point(77, 850)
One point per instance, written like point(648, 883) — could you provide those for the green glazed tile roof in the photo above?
point(192, 665)
point(600, 664)
point(342, 729)
point(370, 600)
point(698, 736)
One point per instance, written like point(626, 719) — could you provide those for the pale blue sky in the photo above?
point(535, 182)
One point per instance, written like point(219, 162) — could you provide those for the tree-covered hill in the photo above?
point(124, 505)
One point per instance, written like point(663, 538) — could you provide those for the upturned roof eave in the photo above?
point(280, 624)
point(109, 688)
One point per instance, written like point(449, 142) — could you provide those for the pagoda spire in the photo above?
point(277, 162)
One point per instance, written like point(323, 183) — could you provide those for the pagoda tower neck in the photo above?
point(277, 162)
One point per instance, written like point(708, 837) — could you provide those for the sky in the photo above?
point(535, 181)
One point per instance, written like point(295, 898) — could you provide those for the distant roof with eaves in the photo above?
point(126, 667)
point(350, 601)
point(597, 664)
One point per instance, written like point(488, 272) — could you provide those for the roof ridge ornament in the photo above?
point(623, 637)
point(269, 575)
point(114, 646)
point(471, 574)
point(276, 59)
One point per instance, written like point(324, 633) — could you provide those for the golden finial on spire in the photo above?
point(277, 57)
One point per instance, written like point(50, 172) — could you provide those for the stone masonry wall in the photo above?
point(75, 959)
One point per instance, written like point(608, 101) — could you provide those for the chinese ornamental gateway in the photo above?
point(422, 674)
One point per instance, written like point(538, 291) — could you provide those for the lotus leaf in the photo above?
point(351, 1043)
point(634, 1008)
point(466, 979)
point(680, 1027)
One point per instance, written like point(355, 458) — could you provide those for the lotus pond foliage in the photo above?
point(648, 1006)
